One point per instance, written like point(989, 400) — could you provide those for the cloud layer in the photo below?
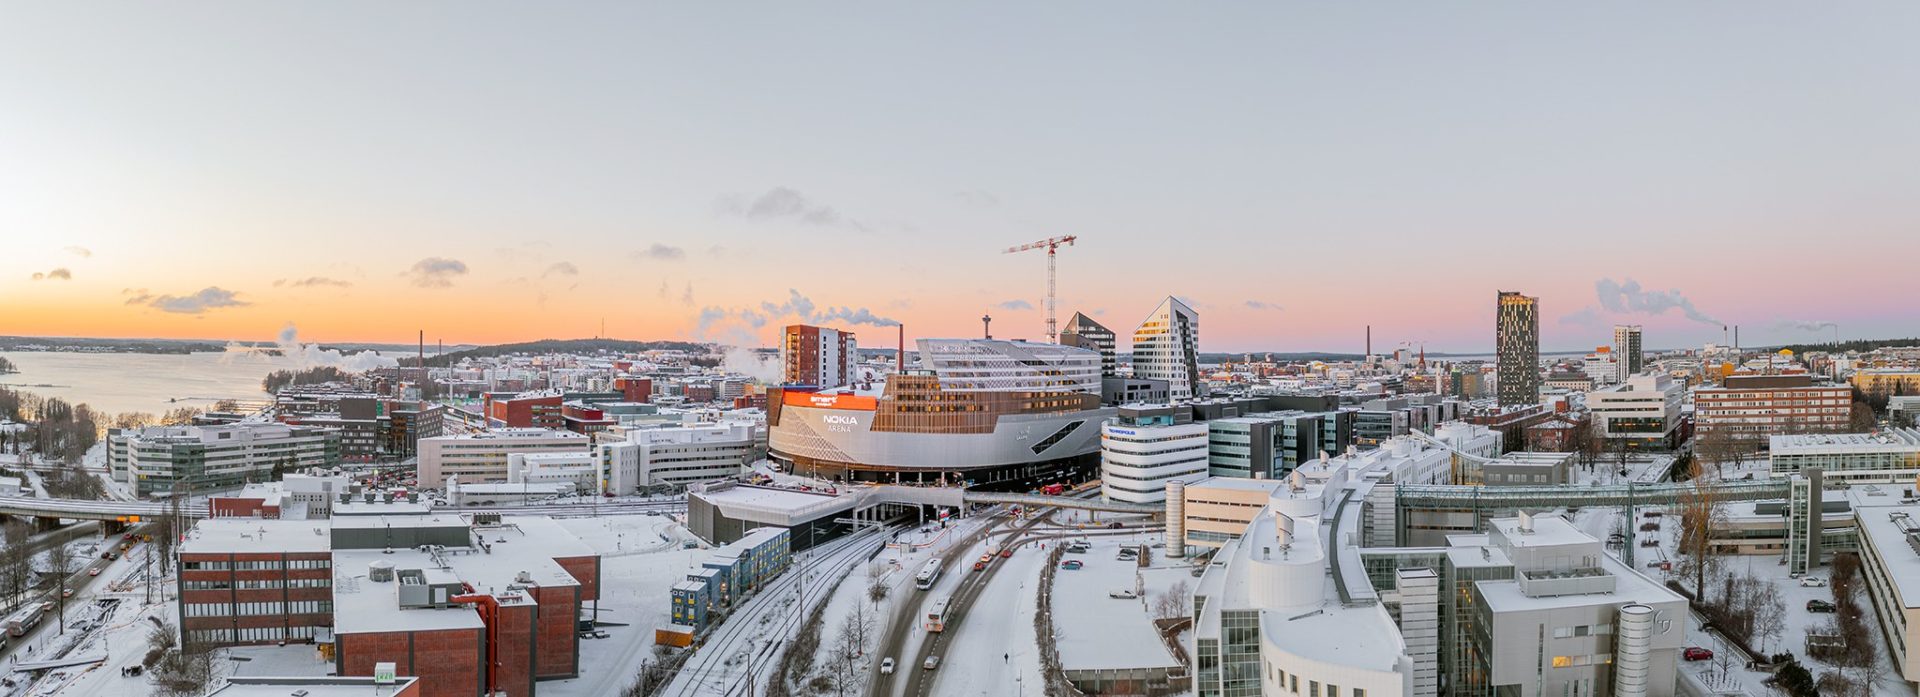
point(1628, 297)
point(436, 272)
point(312, 282)
point(1015, 304)
point(742, 325)
point(209, 298)
point(660, 252)
point(60, 274)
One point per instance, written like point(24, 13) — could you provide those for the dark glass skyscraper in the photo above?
point(1517, 345)
point(1082, 332)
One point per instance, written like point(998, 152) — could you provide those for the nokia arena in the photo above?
point(980, 413)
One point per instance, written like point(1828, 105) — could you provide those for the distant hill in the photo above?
point(74, 343)
point(558, 346)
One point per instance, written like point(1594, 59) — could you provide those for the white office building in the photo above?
point(159, 459)
point(1145, 447)
point(481, 458)
point(678, 456)
point(581, 471)
point(1645, 409)
point(1167, 347)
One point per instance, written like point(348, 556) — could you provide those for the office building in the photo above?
point(294, 497)
point(1517, 345)
point(481, 458)
point(678, 455)
point(1892, 455)
point(1167, 347)
point(1643, 411)
point(1082, 332)
point(1627, 355)
point(817, 356)
point(976, 410)
point(1750, 408)
point(1887, 382)
point(525, 410)
point(1144, 447)
point(1889, 533)
point(164, 459)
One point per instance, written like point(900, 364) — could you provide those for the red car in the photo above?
point(1695, 653)
point(95, 571)
point(1006, 553)
point(979, 566)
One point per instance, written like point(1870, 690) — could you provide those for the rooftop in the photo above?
point(1239, 483)
point(361, 605)
point(1629, 587)
point(1544, 531)
point(1889, 440)
point(329, 686)
point(244, 535)
point(1884, 522)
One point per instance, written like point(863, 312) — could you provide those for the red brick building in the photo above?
point(409, 589)
point(526, 411)
point(634, 389)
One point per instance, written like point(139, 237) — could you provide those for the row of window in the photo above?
point(1292, 683)
point(267, 584)
point(267, 565)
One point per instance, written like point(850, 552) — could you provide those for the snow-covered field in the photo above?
point(1097, 630)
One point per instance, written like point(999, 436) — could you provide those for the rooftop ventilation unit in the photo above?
point(380, 571)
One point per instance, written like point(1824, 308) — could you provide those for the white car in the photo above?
point(1122, 594)
point(1813, 582)
point(931, 663)
point(886, 666)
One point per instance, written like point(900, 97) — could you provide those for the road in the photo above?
point(79, 580)
point(956, 559)
point(920, 682)
point(756, 630)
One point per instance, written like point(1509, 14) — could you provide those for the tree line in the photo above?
point(279, 379)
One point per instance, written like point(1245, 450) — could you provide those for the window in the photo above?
point(1313, 688)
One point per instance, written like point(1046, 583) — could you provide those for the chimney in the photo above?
point(900, 352)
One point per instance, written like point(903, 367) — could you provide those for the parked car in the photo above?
point(1122, 593)
point(1071, 564)
point(1649, 527)
point(1115, 525)
point(1813, 582)
point(886, 666)
point(931, 663)
point(1696, 653)
point(1819, 606)
point(1650, 542)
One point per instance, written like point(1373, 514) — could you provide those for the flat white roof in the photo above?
point(1890, 440)
point(311, 687)
point(255, 535)
point(1238, 483)
point(361, 605)
point(767, 497)
point(1629, 587)
point(1548, 531)
point(1881, 521)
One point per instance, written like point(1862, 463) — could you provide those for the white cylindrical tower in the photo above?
point(1632, 650)
point(1176, 519)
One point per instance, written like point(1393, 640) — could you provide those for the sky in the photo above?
point(491, 172)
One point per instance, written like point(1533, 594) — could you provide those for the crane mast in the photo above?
point(1052, 245)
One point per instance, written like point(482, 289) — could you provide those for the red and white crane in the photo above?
point(1052, 245)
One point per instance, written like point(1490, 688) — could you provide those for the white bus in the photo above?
point(928, 574)
point(937, 616)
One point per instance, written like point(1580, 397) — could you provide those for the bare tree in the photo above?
point(1860, 418)
point(60, 564)
point(16, 561)
point(1769, 614)
point(1701, 517)
point(1175, 601)
point(876, 584)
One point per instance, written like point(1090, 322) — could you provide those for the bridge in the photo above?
point(1484, 502)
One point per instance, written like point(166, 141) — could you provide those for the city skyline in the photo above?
point(682, 174)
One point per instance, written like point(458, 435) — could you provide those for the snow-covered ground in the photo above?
point(641, 559)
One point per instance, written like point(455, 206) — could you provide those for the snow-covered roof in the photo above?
point(1884, 522)
point(362, 605)
point(1629, 587)
point(254, 535)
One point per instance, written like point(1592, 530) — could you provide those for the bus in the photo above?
point(928, 574)
point(937, 616)
point(26, 618)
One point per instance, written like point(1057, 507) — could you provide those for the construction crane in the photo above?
point(1052, 244)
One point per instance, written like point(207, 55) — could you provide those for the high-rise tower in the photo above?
point(1517, 345)
point(1627, 358)
point(1167, 347)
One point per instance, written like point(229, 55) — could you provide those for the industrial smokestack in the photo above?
point(900, 351)
point(1369, 339)
point(423, 364)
